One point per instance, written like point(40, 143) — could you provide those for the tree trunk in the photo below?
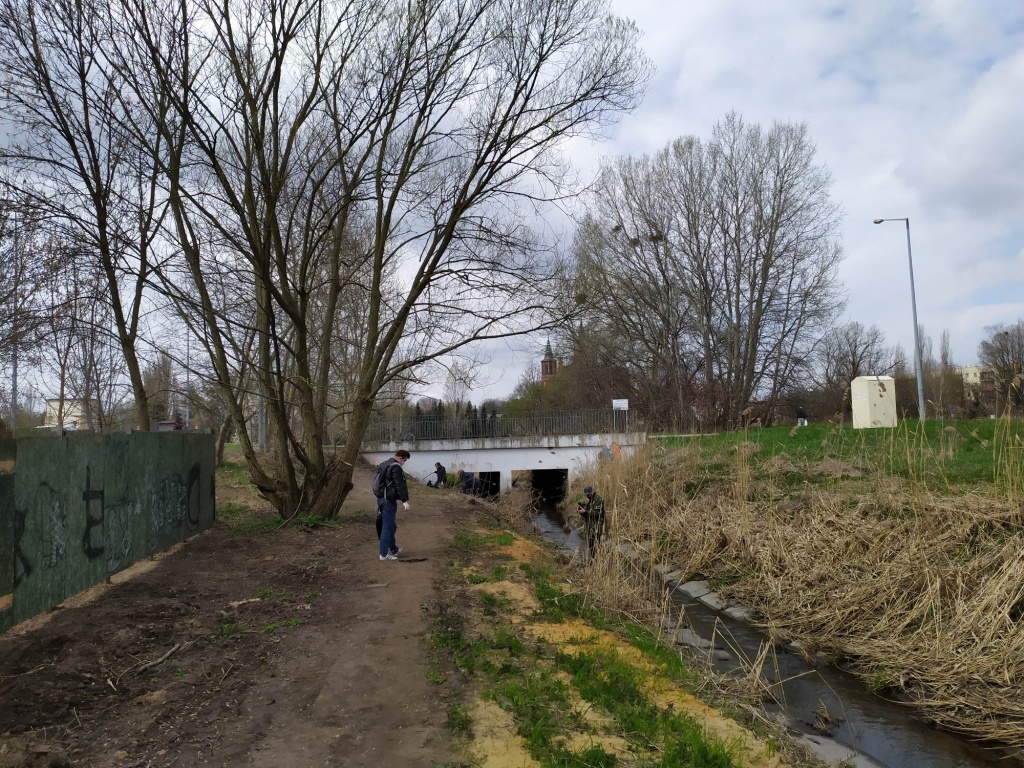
point(222, 438)
point(337, 479)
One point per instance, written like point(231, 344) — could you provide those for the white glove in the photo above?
point(405, 505)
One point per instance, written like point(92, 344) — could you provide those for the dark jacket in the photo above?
point(395, 488)
point(593, 514)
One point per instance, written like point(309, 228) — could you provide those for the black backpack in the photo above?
point(379, 481)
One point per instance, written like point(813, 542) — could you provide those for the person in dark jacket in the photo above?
point(467, 481)
point(389, 487)
point(801, 416)
point(592, 511)
point(442, 475)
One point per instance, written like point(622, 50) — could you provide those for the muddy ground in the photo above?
point(291, 648)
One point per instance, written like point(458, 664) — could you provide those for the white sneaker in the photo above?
point(398, 552)
point(389, 556)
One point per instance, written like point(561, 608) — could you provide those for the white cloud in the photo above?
point(914, 107)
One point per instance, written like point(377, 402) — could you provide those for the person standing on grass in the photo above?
point(801, 416)
point(592, 511)
point(389, 488)
point(442, 475)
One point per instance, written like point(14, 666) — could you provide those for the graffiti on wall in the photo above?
point(86, 507)
point(22, 565)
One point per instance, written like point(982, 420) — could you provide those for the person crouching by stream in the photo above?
point(389, 488)
point(594, 523)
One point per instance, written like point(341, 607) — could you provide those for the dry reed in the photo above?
point(919, 593)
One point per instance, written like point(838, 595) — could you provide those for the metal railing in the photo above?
point(540, 423)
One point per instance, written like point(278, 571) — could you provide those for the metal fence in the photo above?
point(540, 423)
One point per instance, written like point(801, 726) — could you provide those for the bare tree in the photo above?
point(29, 266)
point(68, 152)
point(384, 156)
point(716, 261)
point(849, 351)
point(1002, 350)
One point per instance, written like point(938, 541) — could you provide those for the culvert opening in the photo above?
point(550, 484)
point(490, 484)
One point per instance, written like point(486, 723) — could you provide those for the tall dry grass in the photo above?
point(919, 592)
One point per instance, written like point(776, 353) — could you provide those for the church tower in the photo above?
point(548, 366)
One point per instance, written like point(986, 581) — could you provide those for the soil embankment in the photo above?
point(294, 647)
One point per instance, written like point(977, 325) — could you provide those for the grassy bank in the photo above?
point(952, 456)
point(548, 679)
point(900, 552)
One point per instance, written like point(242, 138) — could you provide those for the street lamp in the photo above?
point(917, 332)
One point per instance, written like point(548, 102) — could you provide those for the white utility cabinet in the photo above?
point(874, 401)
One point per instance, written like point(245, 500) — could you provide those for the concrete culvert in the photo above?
point(550, 484)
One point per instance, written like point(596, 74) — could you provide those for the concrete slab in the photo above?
point(689, 637)
point(738, 612)
point(833, 752)
point(694, 589)
point(713, 601)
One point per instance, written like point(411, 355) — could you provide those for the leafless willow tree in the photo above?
point(369, 172)
point(715, 262)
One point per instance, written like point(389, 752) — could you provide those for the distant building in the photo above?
point(75, 414)
point(548, 366)
point(983, 379)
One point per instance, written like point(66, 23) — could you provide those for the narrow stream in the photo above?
point(868, 730)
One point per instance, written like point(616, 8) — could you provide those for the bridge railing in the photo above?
point(540, 423)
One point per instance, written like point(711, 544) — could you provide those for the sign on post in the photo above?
point(620, 405)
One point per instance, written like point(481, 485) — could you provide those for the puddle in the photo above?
point(867, 731)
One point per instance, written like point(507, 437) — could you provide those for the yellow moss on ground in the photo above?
point(576, 636)
point(495, 743)
point(520, 594)
point(523, 550)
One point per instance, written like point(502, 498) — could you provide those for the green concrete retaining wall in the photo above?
point(8, 451)
point(75, 509)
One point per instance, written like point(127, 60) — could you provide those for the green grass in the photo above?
point(548, 693)
point(947, 453)
point(280, 624)
point(227, 630)
point(233, 473)
point(245, 521)
point(603, 679)
point(458, 719)
point(467, 542)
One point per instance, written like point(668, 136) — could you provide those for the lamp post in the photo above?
point(917, 333)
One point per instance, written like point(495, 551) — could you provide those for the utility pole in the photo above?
point(15, 341)
point(188, 381)
point(14, 381)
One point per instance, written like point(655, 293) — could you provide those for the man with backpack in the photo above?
point(389, 488)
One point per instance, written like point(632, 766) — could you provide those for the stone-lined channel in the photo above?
point(866, 730)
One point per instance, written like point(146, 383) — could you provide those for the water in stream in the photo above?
point(871, 730)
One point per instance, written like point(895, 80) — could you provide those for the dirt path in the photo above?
point(294, 648)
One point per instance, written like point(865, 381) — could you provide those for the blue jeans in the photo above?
point(388, 512)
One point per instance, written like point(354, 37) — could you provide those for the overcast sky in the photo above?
point(916, 109)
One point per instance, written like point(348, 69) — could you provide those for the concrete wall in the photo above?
point(505, 454)
point(75, 509)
